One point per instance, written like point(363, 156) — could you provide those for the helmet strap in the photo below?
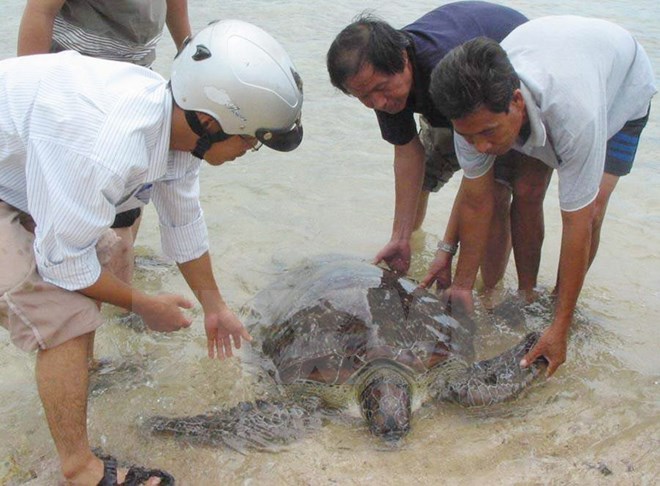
point(205, 139)
point(194, 123)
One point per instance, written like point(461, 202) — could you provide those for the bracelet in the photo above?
point(447, 248)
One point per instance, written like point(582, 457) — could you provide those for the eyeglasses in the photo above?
point(253, 142)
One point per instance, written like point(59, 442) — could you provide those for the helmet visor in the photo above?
point(281, 140)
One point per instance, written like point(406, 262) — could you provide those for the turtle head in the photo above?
point(385, 403)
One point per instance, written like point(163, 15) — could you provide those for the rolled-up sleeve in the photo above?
point(184, 235)
point(473, 163)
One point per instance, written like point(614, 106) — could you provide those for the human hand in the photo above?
point(460, 302)
point(162, 312)
point(552, 346)
point(221, 326)
point(439, 271)
point(396, 254)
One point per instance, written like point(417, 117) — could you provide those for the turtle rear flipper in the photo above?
point(495, 380)
point(248, 425)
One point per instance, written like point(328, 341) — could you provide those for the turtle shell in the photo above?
point(327, 320)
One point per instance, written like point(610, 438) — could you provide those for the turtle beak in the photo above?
point(394, 431)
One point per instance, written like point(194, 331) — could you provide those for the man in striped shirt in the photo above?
point(78, 138)
point(124, 30)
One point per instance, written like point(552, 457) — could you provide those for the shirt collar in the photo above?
point(537, 136)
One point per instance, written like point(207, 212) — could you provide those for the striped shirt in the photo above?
point(80, 136)
point(119, 30)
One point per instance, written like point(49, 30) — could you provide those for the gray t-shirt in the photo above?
point(119, 30)
point(582, 80)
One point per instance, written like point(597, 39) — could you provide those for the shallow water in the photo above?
point(594, 422)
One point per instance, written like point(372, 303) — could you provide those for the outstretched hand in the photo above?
point(552, 346)
point(221, 327)
point(396, 254)
point(163, 313)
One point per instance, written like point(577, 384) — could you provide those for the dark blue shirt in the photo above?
point(432, 37)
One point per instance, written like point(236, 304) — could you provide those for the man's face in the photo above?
point(493, 133)
point(383, 92)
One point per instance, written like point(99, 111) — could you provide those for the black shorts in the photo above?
point(127, 218)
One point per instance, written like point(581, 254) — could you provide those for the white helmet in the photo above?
point(242, 77)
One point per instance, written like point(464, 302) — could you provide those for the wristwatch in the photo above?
point(447, 248)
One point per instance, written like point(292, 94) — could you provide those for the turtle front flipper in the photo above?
point(494, 380)
point(248, 425)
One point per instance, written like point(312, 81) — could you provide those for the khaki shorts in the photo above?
point(38, 315)
point(440, 159)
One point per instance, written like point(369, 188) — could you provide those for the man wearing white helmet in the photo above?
point(78, 136)
point(120, 30)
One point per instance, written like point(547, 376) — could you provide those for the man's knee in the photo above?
point(528, 192)
point(502, 198)
point(531, 188)
point(531, 178)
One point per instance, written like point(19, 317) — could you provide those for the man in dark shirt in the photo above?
point(389, 70)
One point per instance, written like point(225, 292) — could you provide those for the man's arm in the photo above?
point(177, 21)
point(35, 33)
point(161, 312)
point(573, 264)
point(440, 269)
point(220, 323)
point(471, 217)
point(408, 178)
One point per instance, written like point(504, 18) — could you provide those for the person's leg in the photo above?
point(62, 381)
point(422, 204)
point(126, 226)
point(36, 315)
point(121, 264)
point(530, 184)
point(498, 249)
point(58, 324)
point(607, 185)
point(122, 257)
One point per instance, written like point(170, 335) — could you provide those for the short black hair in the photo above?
point(475, 74)
point(368, 39)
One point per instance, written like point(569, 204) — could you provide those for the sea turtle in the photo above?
point(339, 331)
